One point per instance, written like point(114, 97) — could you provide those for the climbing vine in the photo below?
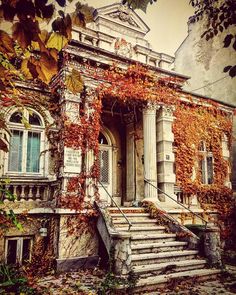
point(195, 121)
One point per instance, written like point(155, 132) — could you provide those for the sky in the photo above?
point(167, 20)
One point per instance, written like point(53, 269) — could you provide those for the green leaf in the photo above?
point(25, 122)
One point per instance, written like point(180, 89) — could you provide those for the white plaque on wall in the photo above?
point(72, 160)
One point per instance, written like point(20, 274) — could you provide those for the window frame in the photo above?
point(203, 162)
point(19, 247)
point(40, 129)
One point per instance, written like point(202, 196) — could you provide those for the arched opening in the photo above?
point(106, 165)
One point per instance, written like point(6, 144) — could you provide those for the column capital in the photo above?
point(152, 106)
point(167, 111)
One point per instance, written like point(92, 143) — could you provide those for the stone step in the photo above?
point(147, 258)
point(157, 247)
point(151, 238)
point(129, 215)
point(142, 229)
point(167, 267)
point(153, 283)
point(135, 220)
point(126, 209)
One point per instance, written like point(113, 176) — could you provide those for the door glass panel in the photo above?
point(104, 166)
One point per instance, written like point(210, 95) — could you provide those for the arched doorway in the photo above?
point(106, 160)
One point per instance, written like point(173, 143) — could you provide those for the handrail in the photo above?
point(129, 223)
point(158, 189)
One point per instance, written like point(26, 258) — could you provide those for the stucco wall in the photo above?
point(204, 61)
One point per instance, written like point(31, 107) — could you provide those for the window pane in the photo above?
point(33, 152)
point(15, 153)
point(203, 170)
point(209, 170)
point(102, 139)
point(12, 252)
point(34, 120)
point(16, 117)
point(26, 250)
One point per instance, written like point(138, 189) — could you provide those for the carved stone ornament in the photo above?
point(167, 111)
point(124, 14)
point(123, 47)
point(152, 106)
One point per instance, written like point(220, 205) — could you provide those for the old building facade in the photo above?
point(137, 149)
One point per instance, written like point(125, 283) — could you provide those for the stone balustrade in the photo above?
point(31, 190)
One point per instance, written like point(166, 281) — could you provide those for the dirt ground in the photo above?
point(96, 282)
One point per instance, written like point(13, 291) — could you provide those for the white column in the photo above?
point(150, 158)
point(130, 161)
point(165, 156)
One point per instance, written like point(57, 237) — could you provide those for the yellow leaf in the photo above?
point(25, 70)
point(54, 53)
point(46, 68)
point(57, 41)
point(35, 45)
point(74, 82)
point(6, 43)
point(44, 35)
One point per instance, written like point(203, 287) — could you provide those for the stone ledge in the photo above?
point(75, 263)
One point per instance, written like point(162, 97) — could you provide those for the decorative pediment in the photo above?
point(123, 15)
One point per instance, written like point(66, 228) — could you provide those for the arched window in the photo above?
point(102, 139)
point(27, 130)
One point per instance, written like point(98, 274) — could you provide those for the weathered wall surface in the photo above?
point(81, 242)
point(204, 61)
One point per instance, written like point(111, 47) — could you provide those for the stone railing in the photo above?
point(31, 190)
point(117, 242)
point(183, 198)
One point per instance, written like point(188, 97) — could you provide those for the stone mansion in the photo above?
point(139, 157)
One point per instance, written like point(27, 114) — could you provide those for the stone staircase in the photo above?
point(157, 255)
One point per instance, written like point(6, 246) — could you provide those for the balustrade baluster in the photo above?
point(7, 187)
point(46, 193)
point(30, 196)
point(38, 197)
point(22, 193)
point(15, 191)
